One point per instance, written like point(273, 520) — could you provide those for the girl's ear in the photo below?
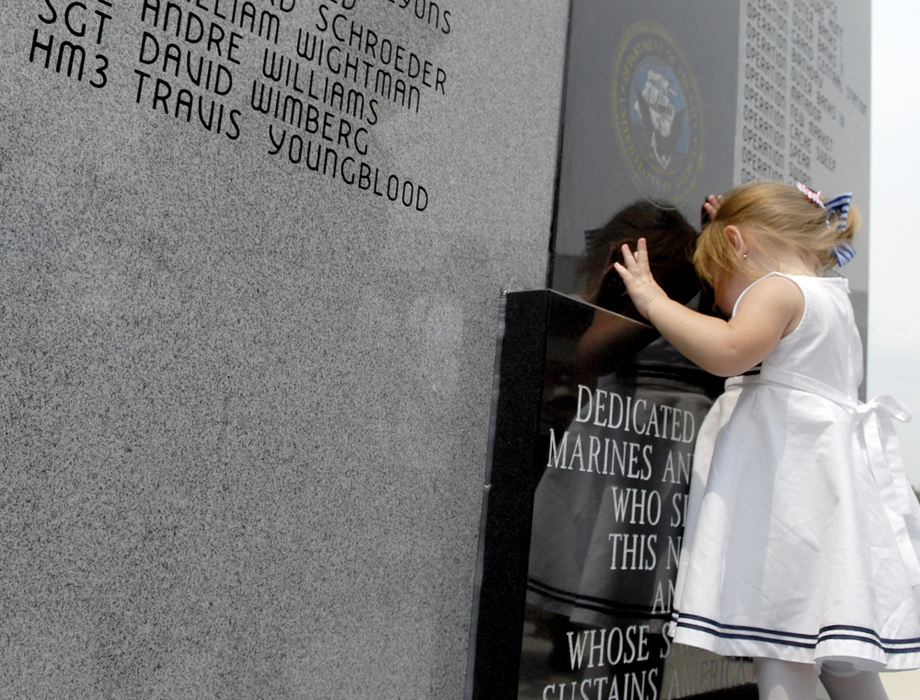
point(736, 239)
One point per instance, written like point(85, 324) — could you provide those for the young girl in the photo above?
point(802, 536)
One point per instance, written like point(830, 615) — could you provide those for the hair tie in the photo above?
point(811, 195)
point(591, 235)
point(838, 207)
point(844, 252)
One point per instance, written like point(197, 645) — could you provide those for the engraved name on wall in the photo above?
point(307, 83)
point(796, 107)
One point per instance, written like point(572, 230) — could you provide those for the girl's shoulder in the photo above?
point(777, 296)
point(774, 285)
point(815, 282)
point(804, 283)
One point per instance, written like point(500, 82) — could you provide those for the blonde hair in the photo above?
point(771, 215)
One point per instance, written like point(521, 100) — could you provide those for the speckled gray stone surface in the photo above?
point(245, 405)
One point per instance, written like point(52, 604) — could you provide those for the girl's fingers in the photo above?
point(712, 204)
point(642, 254)
point(629, 260)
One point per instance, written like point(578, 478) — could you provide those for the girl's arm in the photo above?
point(769, 311)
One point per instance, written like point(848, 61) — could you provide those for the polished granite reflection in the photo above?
point(585, 506)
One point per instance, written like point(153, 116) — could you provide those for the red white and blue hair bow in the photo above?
point(837, 208)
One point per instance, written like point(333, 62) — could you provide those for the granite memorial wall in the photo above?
point(664, 105)
point(252, 254)
point(250, 263)
point(594, 415)
point(592, 449)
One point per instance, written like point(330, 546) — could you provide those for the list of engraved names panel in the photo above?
point(795, 106)
point(306, 81)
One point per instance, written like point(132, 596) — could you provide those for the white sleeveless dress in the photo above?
point(803, 531)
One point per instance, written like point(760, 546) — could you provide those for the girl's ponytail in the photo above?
point(845, 223)
point(841, 220)
point(780, 215)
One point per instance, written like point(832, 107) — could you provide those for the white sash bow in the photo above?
point(874, 422)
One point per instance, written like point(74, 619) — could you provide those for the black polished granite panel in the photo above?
point(594, 423)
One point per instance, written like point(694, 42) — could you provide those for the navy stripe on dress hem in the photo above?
point(745, 637)
point(790, 638)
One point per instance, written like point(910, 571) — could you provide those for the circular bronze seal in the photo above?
point(656, 110)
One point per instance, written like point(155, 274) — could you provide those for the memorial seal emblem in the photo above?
point(656, 111)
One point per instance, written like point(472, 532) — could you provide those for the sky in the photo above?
point(893, 353)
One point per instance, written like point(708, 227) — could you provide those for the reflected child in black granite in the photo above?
point(570, 578)
point(802, 541)
point(672, 238)
point(668, 234)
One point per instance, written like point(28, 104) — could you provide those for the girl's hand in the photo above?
point(637, 276)
point(710, 207)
